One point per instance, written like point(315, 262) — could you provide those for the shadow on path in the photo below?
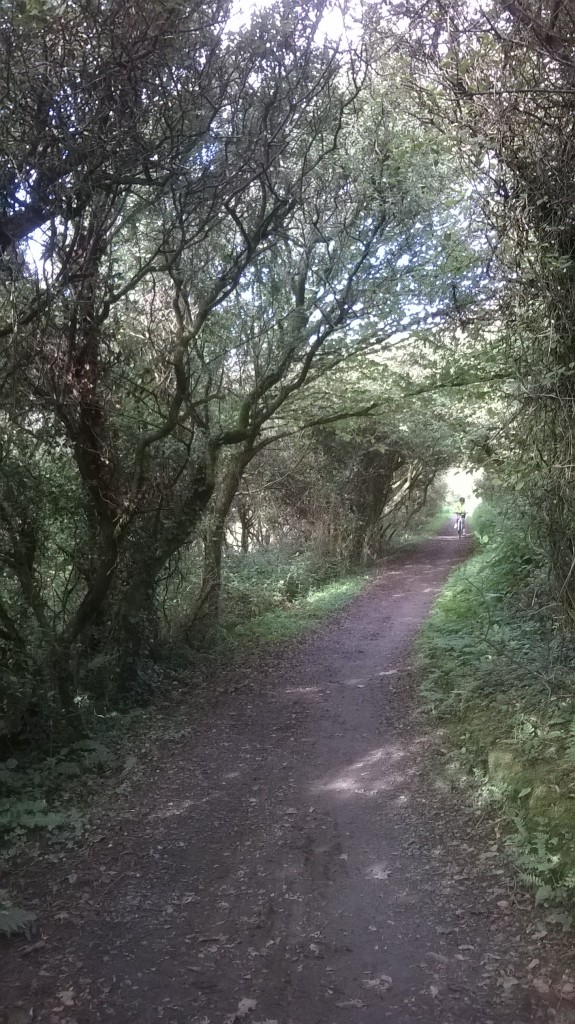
point(292, 850)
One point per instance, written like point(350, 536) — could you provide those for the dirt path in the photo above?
point(291, 849)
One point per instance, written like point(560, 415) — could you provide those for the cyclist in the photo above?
point(460, 514)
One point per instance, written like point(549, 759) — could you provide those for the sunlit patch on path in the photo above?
point(284, 858)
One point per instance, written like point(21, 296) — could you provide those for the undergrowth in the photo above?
point(48, 798)
point(421, 527)
point(274, 594)
point(28, 788)
point(498, 673)
point(267, 599)
point(271, 598)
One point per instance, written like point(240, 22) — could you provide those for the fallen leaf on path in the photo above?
point(434, 991)
point(34, 947)
point(351, 1002)
point(379, 985)
point(379, 872)
point(438, 957)
point(245, 1006)
point(66, 998)
point(507, 983)
point(129, 764)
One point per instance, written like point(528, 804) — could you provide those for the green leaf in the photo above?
point(68, 768)
point(16, 921)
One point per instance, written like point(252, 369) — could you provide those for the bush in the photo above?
point(498, 670)
point(44, 793)
point(270, 578)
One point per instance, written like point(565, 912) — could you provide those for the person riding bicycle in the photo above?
point(460, 514)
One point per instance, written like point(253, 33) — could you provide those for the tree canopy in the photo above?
point(261, 283)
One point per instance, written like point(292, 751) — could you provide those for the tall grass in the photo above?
point(276, 593)
point(498, 671)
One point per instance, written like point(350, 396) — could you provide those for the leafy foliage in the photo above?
point(246, 323)
point(192, 277)
point(497, 672)
point(14, 920)
point(259, 289)
point(44, 793)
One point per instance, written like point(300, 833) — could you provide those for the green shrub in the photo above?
point(44, 794)
point(270, 578)
point(14, 920)
point(498, 671)
point(290, 614)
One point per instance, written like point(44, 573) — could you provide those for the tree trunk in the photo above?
point(245, 517)
point(137, 625)
point(207, 608)
point(370, 485)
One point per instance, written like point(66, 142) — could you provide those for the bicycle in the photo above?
point(460, 525)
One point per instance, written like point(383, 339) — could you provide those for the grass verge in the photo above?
point(292, 619)
point(498, 676)
point(426, 528)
